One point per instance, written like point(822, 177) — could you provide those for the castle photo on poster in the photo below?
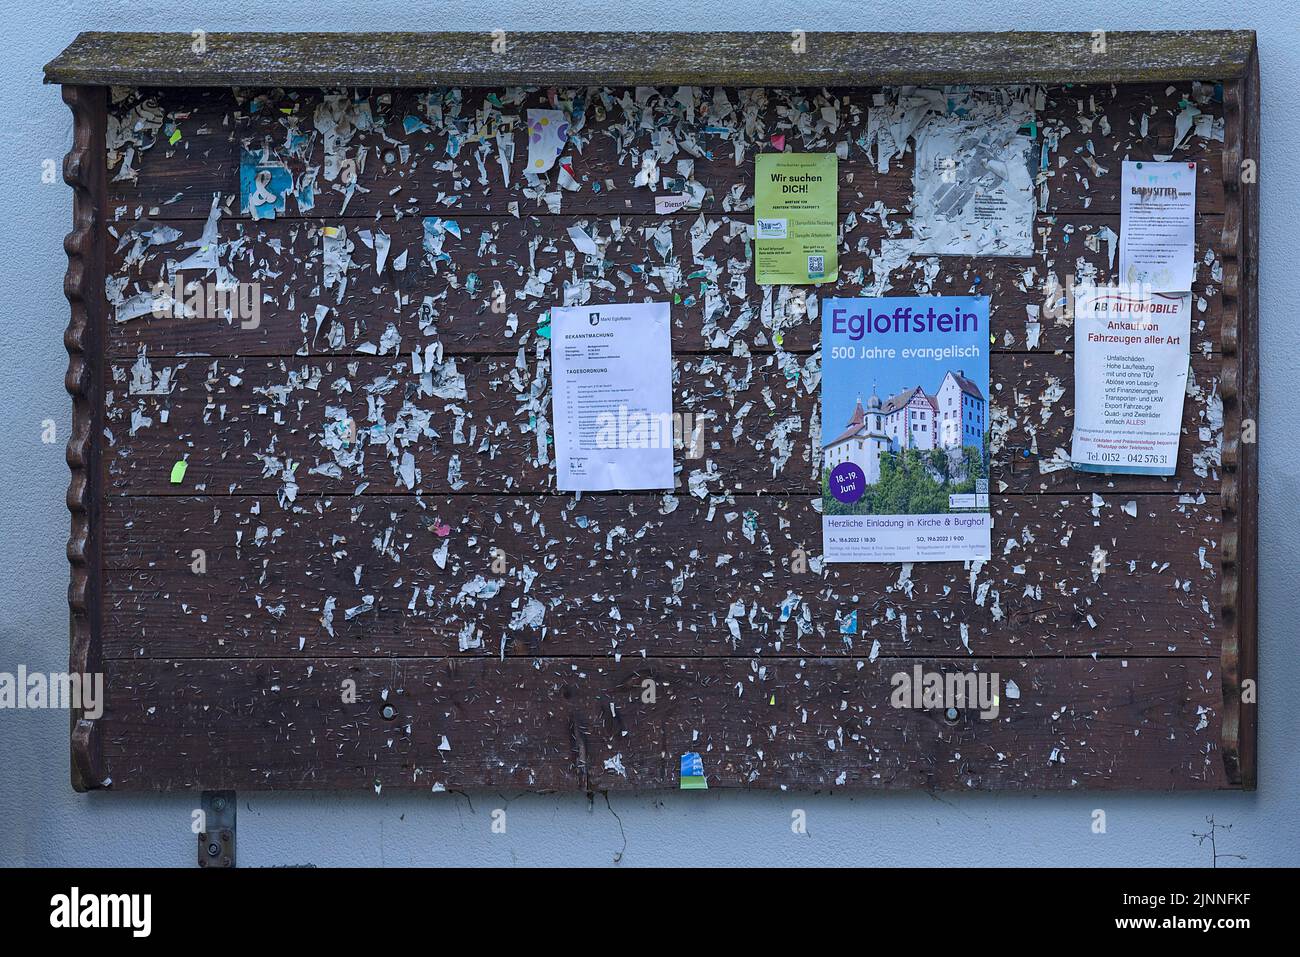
point(920, 452)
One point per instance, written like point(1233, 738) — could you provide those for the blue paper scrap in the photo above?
point(693, 773)
point(263, 185)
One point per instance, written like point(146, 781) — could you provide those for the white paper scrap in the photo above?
point(670, 203)
point(548, 132)
point(972, 185)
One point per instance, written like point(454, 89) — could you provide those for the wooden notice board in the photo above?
point(365, 576)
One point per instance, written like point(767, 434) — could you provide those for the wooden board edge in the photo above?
point(783, 58)
point(84, 169)
point(1240, 389)
point(1249, 546)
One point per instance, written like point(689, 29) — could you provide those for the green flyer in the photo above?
point(795, 217)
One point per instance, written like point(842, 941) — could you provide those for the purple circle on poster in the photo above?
point(847, 483)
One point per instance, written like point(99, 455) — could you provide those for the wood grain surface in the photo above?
point(368, 517)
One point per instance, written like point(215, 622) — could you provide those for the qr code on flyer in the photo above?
point(816, 267)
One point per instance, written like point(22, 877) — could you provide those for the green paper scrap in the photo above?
point(175, 137)
point(694, 783)
point(795, 214)
point(178, 472)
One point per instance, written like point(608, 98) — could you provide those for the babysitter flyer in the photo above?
point(905, 429)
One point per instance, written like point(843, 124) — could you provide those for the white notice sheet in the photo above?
point(1130, 376)
point(1157, 226)
point(612, 397)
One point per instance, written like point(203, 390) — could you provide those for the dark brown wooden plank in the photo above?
point(437, 169)
point(451, 166)
point(1032, 454)
point(555, 58)
point(241, 423)
point(1086, 163)
point(610, 575)
point(486, 301)
point(571, 724)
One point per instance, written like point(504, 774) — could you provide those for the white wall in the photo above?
point(43, 822)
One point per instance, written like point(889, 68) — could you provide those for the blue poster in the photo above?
point(905, 429)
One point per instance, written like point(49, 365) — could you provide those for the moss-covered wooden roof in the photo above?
point(742, 59)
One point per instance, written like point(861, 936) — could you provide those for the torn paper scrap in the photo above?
point(693, 773)
point(973, 191)
point(263, 185)
point(548, 131)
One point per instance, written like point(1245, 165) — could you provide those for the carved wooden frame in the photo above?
point(96, 60)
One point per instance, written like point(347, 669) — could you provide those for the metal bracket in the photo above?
point(217, 842)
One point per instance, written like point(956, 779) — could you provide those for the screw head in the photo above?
point(390, 157)
point(951, 714)
point(214, 849)
point(389, 712)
